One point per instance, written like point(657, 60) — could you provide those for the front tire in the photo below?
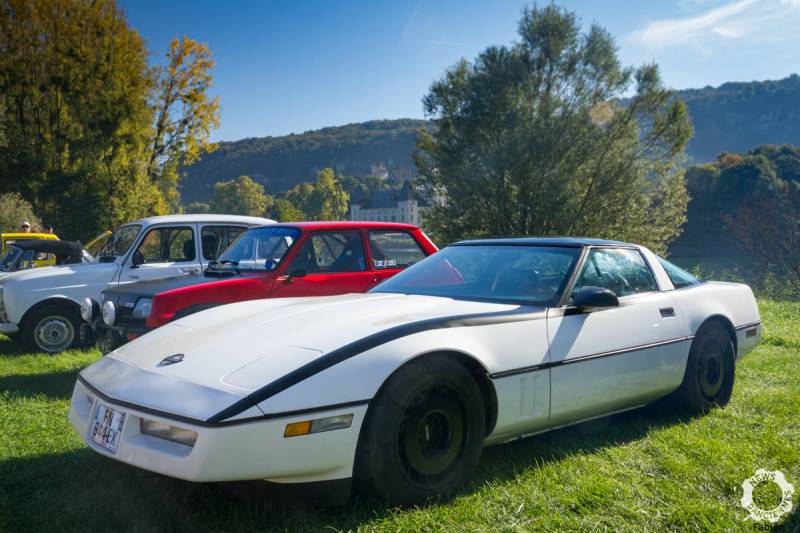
point(710, 370)
point(424, 433)
point(52, 329)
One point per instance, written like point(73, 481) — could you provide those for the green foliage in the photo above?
point(241, 196)
point(325, 199)
point(197, 208)
point(74, 90)
point(284, 211)
point(531, 140)
point(13, 210)
point(744, 218)
point(280, 163)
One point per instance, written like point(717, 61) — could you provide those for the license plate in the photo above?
point(106, 429)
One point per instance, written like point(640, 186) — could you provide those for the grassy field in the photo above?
point(644, 470)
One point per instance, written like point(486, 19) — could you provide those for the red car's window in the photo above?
point(330, 252)
point(394, 249)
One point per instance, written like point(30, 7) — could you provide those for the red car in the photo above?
point(274, 261)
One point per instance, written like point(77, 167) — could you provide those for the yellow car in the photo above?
point(7, 239)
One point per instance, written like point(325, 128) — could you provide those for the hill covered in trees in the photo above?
point(280, 163)
point(733, 117)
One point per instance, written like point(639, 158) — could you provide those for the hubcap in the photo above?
point(431, 435)
point(711, 369)
point(54, 333)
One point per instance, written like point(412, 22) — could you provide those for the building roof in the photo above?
point(539, 241)
point(201, 218)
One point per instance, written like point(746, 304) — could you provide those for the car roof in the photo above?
point(335, 224)
point(195, 219)
point(541, 241)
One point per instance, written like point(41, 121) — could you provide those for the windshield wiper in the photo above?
point(232, 262)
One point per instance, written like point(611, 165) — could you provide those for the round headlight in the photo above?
point(87, 309)
point(142, 309)
point(109, 313)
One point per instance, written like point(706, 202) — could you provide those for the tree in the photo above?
point(197, 208)
point(534, 139)
point(13, 210)
point(325, 199)
point(241, 196)
point(74, 84)
point(284, 211)
point(184, 114)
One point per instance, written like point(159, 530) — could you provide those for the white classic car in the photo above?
point(401, 388)
point(43, 305)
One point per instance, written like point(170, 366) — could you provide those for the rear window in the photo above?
point(394, 249)
point(678, 276)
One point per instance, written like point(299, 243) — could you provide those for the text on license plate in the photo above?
point(106, 427)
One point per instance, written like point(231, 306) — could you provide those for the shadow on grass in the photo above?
point(54, 385)
point(82, 490)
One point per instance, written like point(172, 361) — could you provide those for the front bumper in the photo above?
point(237, 451)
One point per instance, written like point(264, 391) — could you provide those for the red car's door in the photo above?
point(328, 262)
point(391, 251)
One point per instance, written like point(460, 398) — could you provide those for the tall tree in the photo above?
point(73, 89)
point(13, 211)
point(241, 196)
point(534, 138)
point(184, 114)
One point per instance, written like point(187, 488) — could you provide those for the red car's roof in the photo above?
point(333, 224)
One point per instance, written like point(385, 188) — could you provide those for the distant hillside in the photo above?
point(279, 163)
point(733, 117)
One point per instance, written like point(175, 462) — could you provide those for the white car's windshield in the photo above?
point(257, 249)
point(526, 275)
point(119, 242)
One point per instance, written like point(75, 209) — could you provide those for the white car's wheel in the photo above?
point(710, 370)
point(52, 329)
point(424, 434)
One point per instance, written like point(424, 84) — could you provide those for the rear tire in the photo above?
point(710, 370)
point(424, 433)
point(52, 329)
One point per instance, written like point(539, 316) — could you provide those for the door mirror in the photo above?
point(595, 298)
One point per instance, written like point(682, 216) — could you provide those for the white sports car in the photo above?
point(401, 388)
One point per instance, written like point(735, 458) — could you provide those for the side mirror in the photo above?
point(595, 298)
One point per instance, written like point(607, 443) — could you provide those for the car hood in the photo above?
point(152, 287)
point(61, 275)
point(244, 346)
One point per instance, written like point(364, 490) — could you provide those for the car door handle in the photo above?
point(667, 312)
point(192, 270)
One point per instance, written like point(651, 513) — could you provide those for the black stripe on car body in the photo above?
point(369, 342)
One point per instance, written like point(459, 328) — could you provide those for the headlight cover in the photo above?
point(187, 437)
point(109, 313)
point(142, 308)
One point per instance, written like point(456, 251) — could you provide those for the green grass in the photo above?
point(644, 470)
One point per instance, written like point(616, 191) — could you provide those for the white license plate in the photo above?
point(106, 428)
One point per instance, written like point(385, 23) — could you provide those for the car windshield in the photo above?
point(9, 258)
point(525, 275)
point(257, 249)
point(120, 241)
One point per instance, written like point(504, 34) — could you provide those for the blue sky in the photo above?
point(296, 65)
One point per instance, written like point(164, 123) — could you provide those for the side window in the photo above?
point(330, 252)
point(167, 245)
point(393, 249)
point(679, 277)
point(217, 239)
point(624, 271)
